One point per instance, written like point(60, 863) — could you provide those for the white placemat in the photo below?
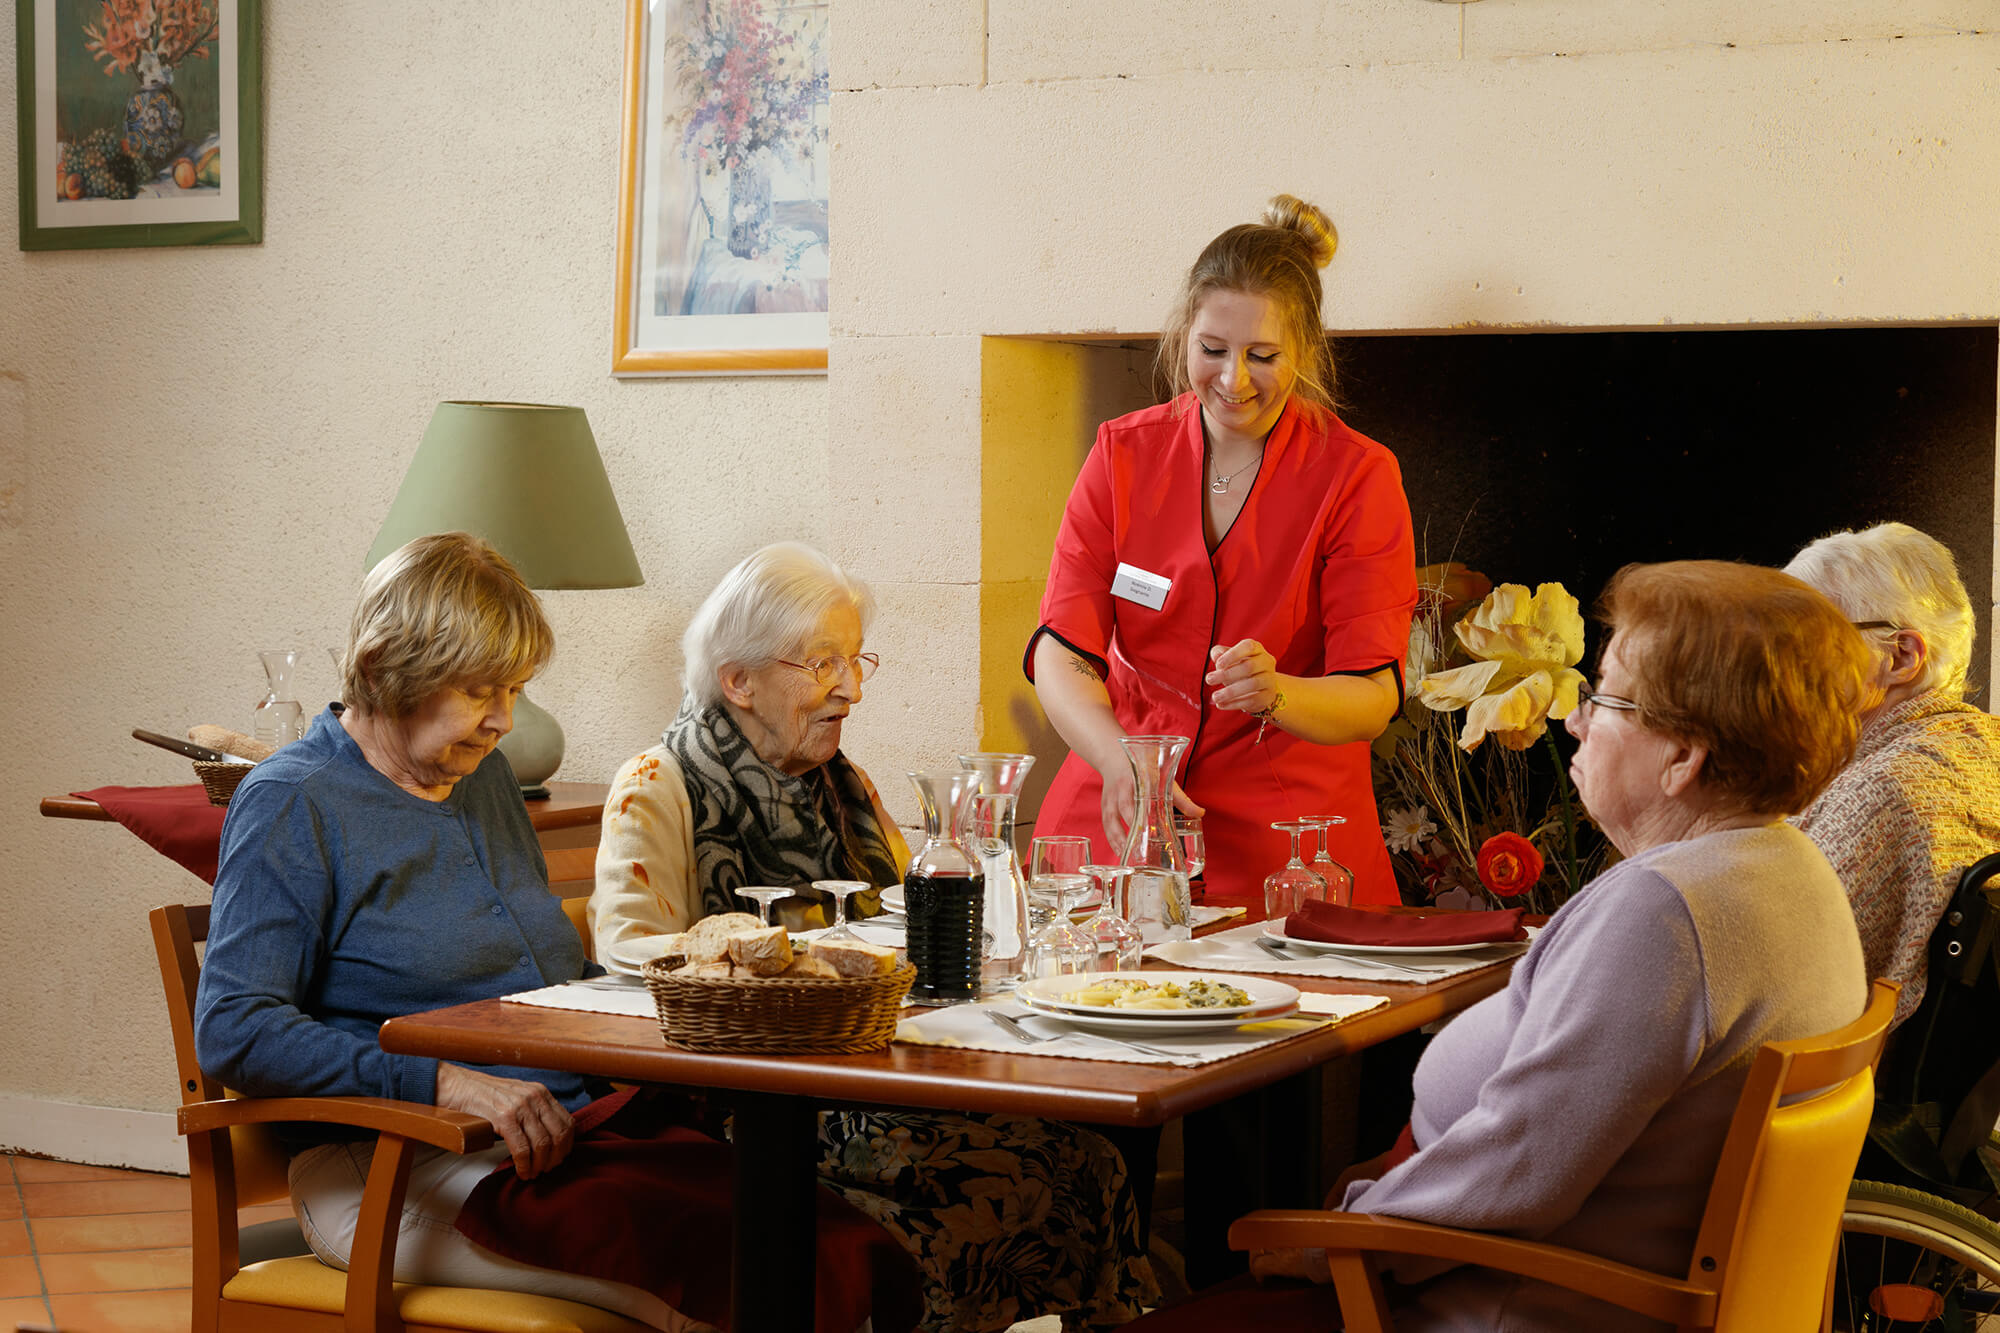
point(968, 1026)
point(634, 1001)
point(1238, 951)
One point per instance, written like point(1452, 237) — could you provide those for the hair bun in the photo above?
point(1291, 213)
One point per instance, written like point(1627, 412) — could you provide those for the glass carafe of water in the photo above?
point(1157, 898)
point(1001, 777)
point(278, 719)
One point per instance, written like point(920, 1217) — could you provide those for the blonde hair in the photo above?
point(1751, 664)
point(766, 608)
point(1279, 259)
point(441, 610)
point(1895, 573)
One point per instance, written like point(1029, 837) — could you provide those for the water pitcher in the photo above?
point(944, 893)
point(1006, 935)
point(278, 719)
point(1157, 898)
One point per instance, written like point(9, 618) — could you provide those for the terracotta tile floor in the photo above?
point(87, 1249)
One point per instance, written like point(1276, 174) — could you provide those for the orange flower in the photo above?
point(1509, 865)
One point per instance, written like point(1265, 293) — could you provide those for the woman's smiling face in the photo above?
point(1240, 365)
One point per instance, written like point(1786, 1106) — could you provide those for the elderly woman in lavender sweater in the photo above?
point(1586, 1104)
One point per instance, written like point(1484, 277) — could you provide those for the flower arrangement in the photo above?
point(752, 86)
point(1466, 823)
point(150, 37)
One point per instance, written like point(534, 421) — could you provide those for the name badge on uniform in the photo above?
point(1142, 586)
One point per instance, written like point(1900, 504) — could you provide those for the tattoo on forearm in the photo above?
point(1083, 668)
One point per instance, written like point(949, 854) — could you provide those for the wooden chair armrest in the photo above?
point(454, 1131)
point(1671, 1300)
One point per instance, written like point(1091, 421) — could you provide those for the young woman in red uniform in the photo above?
point(1234, 566)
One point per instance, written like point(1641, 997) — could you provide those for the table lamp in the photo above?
point(526, 478)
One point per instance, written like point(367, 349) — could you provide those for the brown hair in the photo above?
point(441, 610)
point(1751, 664)
point(1278, 258)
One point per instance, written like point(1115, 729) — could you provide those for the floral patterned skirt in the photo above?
point(1010, 1217)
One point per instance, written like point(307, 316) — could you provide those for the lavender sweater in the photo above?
point(1586, 1104)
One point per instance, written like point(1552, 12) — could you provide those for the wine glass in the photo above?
point(1339, 879)
point(1292, 883)
point(842, 890)
point(1048, 857)
point(1118, 943)
point(1062, 947)
point(1194, 846)
point(764, 895)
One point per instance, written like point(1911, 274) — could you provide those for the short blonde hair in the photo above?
point(1748, 662)
point(441, 610)
point(1895, 573)
point(764, 609)
point(1279, 259)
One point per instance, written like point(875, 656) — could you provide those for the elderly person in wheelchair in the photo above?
point(1921, 801)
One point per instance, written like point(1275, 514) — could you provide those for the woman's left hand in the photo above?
point(1244, 677)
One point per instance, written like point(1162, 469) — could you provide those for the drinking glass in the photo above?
point(1194, 846)
point(1048, 857)
point(1062, 947)
point(1339, 879)
point(764, 895)
point(1292, 883)
point(1118, 943)
point(842, 890)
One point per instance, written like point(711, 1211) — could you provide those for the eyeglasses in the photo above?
point(1585, 697)
point(1865, 625)
point(824, 669)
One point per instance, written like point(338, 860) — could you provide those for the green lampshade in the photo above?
point(526, 478)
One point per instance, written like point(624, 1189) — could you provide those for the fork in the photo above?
point(1011, 1025)
point(1277, 950)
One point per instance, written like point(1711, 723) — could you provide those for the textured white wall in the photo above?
point(196, 446)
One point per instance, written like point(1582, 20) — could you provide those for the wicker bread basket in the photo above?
point(777, 1013)
point(220, 780)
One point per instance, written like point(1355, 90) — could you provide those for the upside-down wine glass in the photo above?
point(1119, 947)
point(1194, 846)
point(842, 890)
point(1339, 879)
point(1292, 883)
point(1049, 856)
point(764, 895)
point(1062, 947)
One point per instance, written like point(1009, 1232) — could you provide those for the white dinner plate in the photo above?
point(892, 898)
point(1267, 997)
point(628, 956)
point(1127, 1022)
point(1319, 946)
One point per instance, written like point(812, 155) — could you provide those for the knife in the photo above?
point(188, 748)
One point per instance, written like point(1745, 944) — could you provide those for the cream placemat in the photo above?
point(591, 997)
point(967, 1025)
point(1238, 951)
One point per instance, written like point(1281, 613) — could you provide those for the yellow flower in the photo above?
point(1526, 649)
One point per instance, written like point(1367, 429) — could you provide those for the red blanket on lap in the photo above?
point(644, 1200)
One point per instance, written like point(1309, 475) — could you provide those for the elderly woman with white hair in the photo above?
point(1009, 1217)
point(1921, 799)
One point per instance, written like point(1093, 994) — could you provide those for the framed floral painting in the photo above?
point(139, 123)
point(722, 208)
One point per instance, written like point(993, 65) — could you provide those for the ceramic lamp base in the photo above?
point(534, 747)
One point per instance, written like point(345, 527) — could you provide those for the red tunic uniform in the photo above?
point(1319, 568)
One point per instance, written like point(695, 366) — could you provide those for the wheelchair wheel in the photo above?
point(1911, 1261)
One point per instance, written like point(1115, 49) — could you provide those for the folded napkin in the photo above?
point(1329, 924)
point(176, 822)
point(599, 998)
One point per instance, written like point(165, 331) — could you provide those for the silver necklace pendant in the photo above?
point(1220, 486)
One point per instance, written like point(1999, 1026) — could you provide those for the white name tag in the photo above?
point(1137, 585)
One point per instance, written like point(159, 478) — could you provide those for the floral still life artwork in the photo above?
point(1476, 801)
point(724, 223)
point(141, 125)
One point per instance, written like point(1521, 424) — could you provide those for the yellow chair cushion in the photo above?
point(304, 1283)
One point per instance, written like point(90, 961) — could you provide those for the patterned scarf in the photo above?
point(756, 825)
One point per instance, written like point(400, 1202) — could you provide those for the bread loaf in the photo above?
point(708, 938)
point(805, 965)
point(231, 742)
point(720, 968)
point(853, 958)
point(764, 952)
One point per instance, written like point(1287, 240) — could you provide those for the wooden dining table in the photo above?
point(774, 1099)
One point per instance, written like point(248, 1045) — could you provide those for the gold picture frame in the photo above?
point(722, 202)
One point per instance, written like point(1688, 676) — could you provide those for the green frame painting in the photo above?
point(141, 123)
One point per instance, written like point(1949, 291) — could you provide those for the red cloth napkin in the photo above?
point(1329, 924)
point(177, 822)
point(645, 1200)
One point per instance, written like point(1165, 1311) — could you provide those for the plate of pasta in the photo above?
point(1161, 997)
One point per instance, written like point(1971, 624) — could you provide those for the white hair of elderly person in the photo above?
point(1921, 800)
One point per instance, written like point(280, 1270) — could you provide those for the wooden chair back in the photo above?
point(574, 868)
